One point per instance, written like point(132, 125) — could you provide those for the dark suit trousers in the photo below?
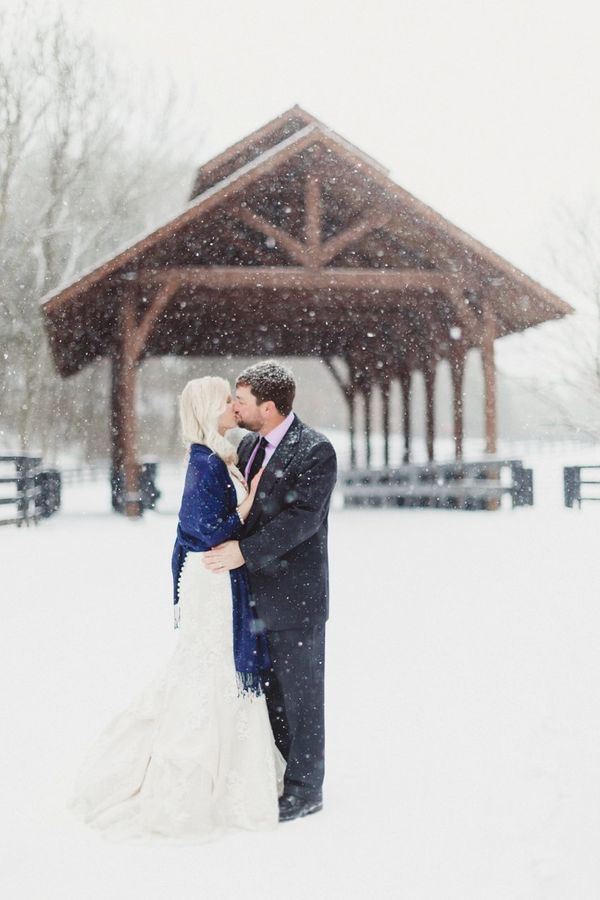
point(295, 699)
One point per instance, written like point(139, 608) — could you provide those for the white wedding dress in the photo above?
point(191, 756)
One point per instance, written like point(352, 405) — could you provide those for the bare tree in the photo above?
point(76, 181)
point(558, 364)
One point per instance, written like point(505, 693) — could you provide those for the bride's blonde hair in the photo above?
point(201, 403)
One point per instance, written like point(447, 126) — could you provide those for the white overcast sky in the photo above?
point(488, 111)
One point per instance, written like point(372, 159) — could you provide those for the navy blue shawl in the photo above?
point(208, 517)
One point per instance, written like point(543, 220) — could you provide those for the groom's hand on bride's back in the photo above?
point(224, 557)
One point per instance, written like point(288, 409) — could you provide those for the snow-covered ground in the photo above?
point(463, 707)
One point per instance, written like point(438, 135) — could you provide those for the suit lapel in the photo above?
point(281, 458)
point(276, 466)
point(247, 445)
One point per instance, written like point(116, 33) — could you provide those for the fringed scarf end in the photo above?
point(249, 684)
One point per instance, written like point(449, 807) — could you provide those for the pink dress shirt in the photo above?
point(274, 439)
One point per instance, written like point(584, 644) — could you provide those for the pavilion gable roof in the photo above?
point(284, 156)
point(457, 244)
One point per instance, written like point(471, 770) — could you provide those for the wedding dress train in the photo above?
point(192, 755)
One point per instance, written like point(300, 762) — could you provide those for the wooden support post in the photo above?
point(351, 400)
point(489, 375)
point(116, 430)
point(385, 400)
point(125, 466)
point(429, 369)
point(132, 339)
point(367, 409)
point(405, 379)
point(457, 372)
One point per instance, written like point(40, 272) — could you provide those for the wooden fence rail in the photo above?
point(577, 481)
point(471, 486)
point(31, 492)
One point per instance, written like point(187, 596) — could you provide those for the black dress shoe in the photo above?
point(292, 807)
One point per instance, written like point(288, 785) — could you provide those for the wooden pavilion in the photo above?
point(297, 243)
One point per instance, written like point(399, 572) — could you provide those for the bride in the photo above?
point(194, 754)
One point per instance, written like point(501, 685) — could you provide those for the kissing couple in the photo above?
point(230, 734)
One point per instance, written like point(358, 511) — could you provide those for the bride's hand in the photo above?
point(255, 480)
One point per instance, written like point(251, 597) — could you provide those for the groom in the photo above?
point(284, 546)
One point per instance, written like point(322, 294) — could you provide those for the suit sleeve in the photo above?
point(308, 504)
point(206, 508)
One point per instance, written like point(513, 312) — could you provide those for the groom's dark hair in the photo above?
point(270, 381)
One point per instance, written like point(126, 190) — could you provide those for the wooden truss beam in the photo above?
point(294, 278)
point(294, 249)
point(313, 211)
point(335, 245)
point(313, 251)
point(469, 320)
point(159, 303)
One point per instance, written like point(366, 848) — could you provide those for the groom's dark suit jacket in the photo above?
point(284, 539)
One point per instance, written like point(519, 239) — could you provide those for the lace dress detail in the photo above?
point(191, 755)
